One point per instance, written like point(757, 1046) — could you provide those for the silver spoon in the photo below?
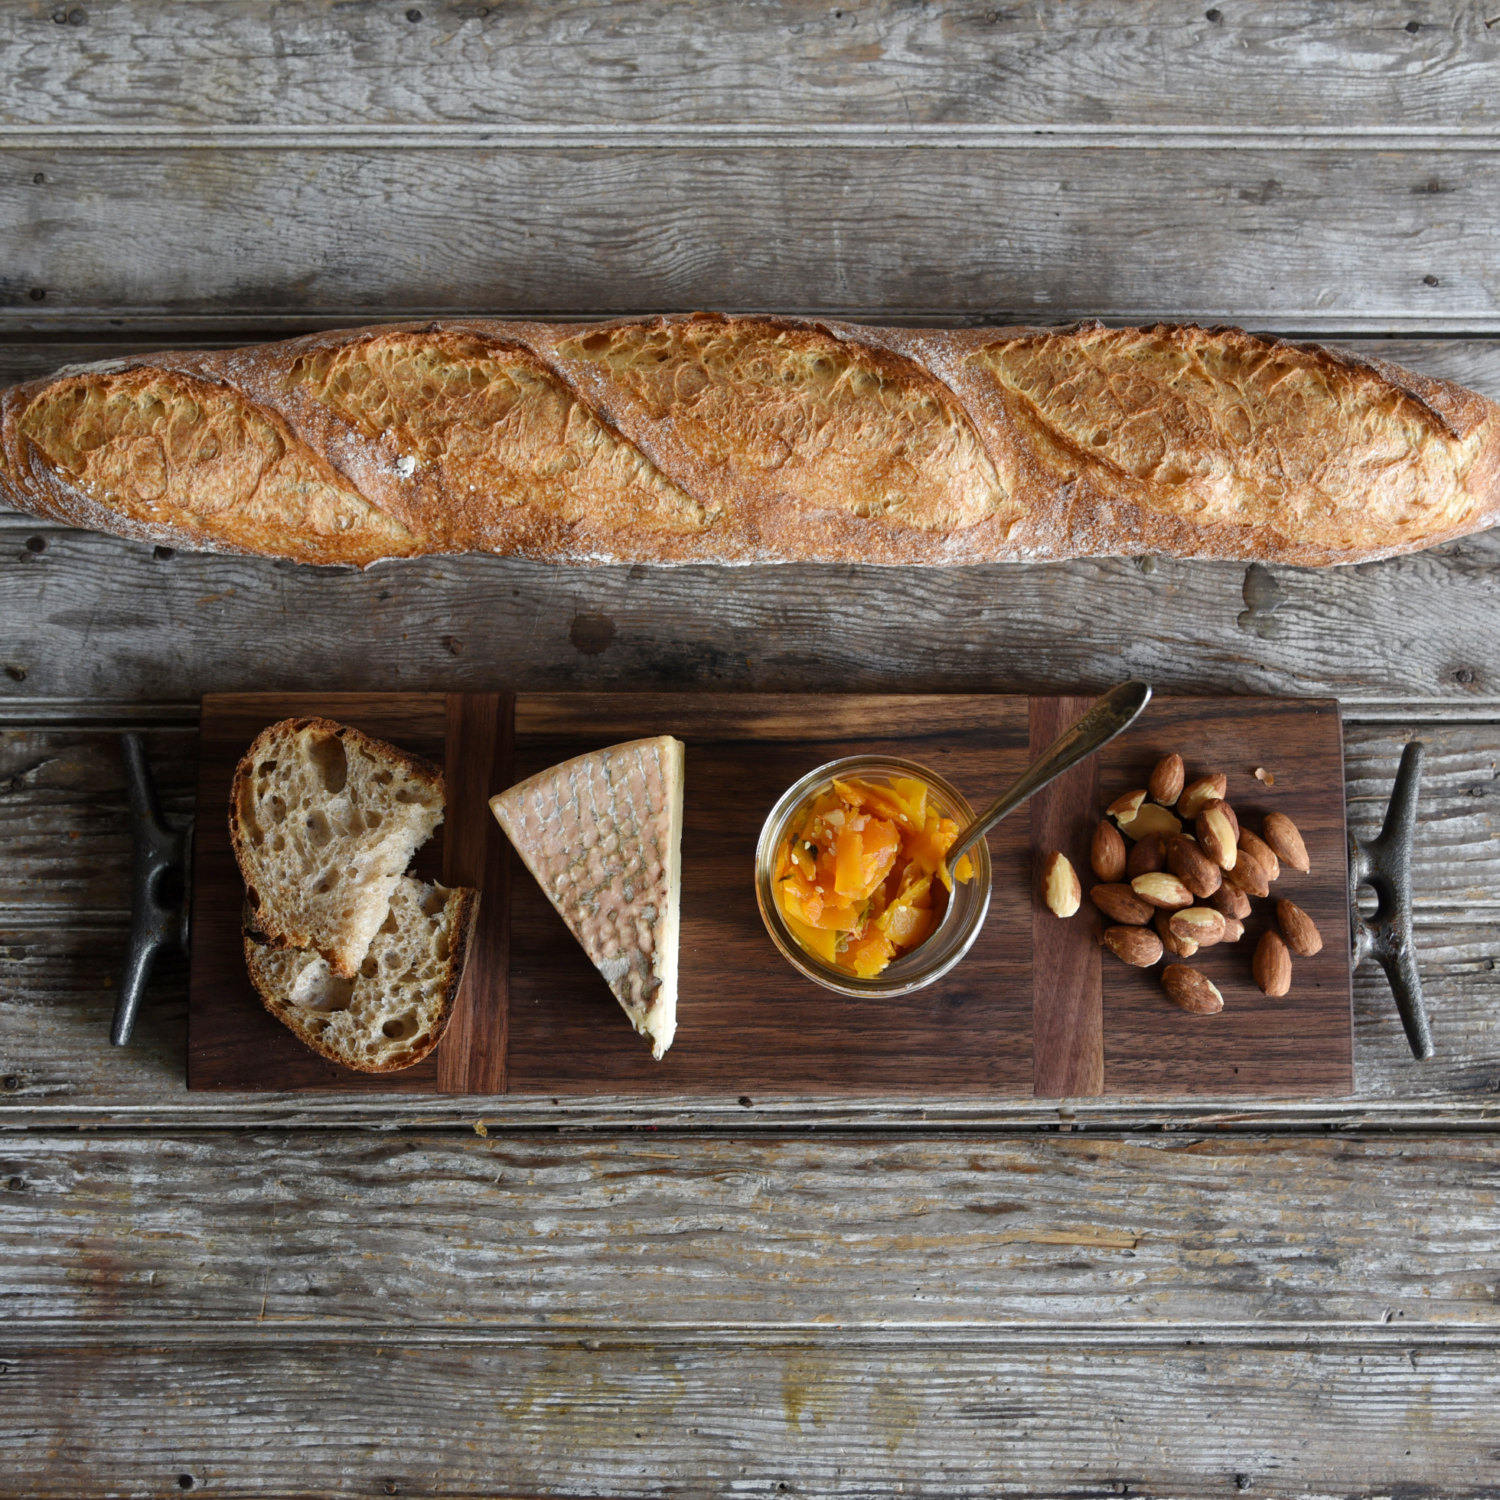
point(1110, 715)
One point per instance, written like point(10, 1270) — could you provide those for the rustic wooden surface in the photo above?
point(263, 1295)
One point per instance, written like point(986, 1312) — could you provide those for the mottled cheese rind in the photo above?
point(602, 835)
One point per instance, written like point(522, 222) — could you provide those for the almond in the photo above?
point(1204, 790)
point(1299, 929)
point(1121, 904)
point(1193, 991)
point(1165, 785)
point(1160, 889)
point(1232, 901)
point(1261, 852)
point(1192, 866)
point(1122, 809)
point(1198, 924)
point(1147, 855)
point(1176, 946)
point(1216, 835)
point(1248, 876)
point(1234, 821)
point(1282, 835)
point(1272, 965)
point(1137, 946)
point(1060, 888)
point(1107, 853)
point(1151, 818)
point(1234, 929)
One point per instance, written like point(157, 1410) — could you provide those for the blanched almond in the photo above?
point(1216, 835)
point(1150, 853)
point(1107, 852)
point(1299, 929)
point(1161, 889)
point(1060, 888)
point(1187, 861)
point(1232, 901)
point(1122, 809)
point(1193, 991)
point(1151, 818)
point(1283, 836)
point(1198, 924)
point(1272, 965)
point(1121, 904)
point(1165, 785)
point(1248, 876)
point(1137, 946)
point(1261, 852)
point(1199, 793)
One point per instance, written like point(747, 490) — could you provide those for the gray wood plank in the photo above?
point(611, 1234)
point(1348, 240)
point(627, 1419)
point(129, 64)
point(88, 616)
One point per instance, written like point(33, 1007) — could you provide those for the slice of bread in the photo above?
point(394, 1010)
point(324, 820)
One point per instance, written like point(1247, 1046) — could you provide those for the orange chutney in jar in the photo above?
point(854, 874)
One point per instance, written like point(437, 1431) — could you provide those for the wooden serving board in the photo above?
point(1035, 1008)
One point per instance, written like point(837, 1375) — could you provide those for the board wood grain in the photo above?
point(1067, 988)
point(1031, 1010)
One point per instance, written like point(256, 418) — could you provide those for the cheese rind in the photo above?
point(602, 835)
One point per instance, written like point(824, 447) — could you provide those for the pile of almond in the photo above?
point(1167, 891)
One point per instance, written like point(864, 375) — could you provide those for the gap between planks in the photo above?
point(108, 716)
point(747, 135)
point(153, 1333)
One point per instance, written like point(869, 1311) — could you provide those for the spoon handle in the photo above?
point(1110, 715)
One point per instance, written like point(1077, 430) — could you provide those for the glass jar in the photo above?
point(929, 960)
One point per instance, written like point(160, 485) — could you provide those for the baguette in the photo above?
point(751, 439)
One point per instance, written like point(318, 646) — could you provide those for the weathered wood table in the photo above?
point(293, 1295)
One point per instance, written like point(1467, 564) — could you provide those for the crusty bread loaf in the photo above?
point(738, 439)
point(323, 821)
point(394, 1010)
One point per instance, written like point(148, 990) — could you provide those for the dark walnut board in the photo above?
point(1035, 1008)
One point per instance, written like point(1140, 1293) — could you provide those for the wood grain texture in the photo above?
point(630, 1419)
point(93, 617)
point(477, 758)
point(1067, 988)
point(1324, 239)
point(532, 1231)
point(597, 67)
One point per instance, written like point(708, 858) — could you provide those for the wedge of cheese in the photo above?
point(602, 834)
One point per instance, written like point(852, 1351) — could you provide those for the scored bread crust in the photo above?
point(706, 438)
point(466, 907)
point(273, 926)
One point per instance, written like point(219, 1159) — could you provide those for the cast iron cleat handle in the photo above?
point(158, 886)
point(1384, 864)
